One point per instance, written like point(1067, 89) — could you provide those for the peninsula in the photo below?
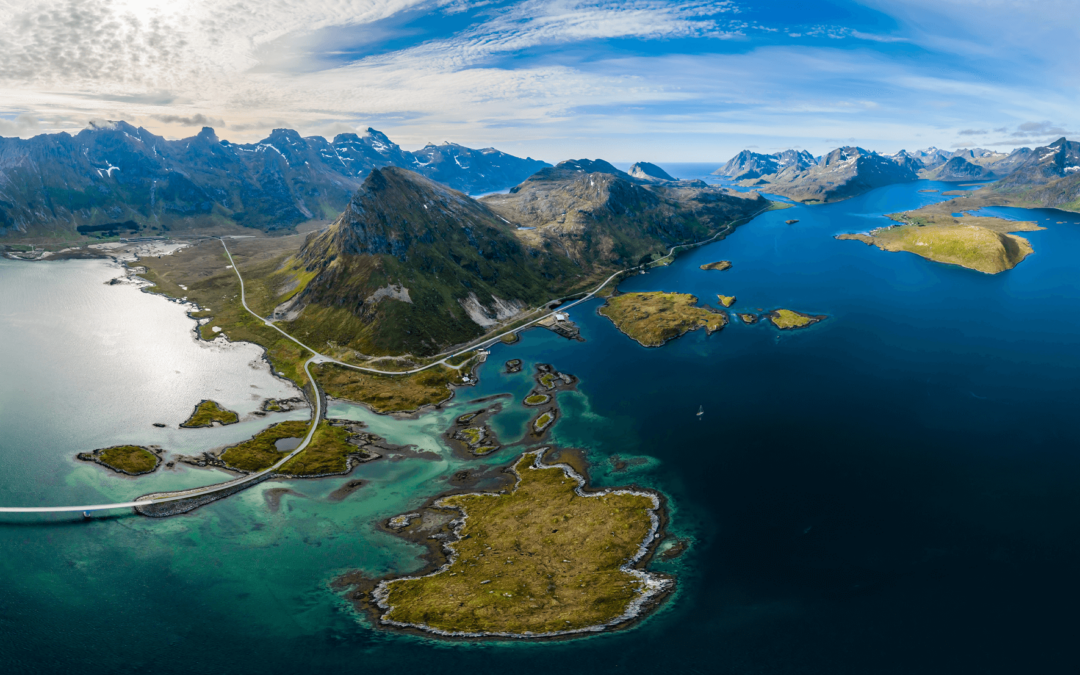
point(543, 559)
point(978, 243)
point(656, 317)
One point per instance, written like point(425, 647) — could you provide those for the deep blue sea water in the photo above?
point(894, 490)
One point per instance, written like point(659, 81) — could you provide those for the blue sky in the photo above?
point(626, 81)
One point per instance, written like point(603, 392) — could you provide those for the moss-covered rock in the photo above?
point(133, 460)
point(207, 413)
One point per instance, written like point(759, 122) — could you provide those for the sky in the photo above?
point(625, 80)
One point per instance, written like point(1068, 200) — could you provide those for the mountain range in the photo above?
point(1042, 175)
point(414, 266)
point(843, 173)
point(113, 176)
point(1047, 176)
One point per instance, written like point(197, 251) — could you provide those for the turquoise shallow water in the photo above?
point(893, 490)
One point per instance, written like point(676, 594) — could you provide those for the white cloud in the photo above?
point(511, 77)
point(23, 125)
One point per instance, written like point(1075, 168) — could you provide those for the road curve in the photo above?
point(322, 358)
point(198, 492)
point(726, 229)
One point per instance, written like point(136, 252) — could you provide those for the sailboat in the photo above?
point(700, 411)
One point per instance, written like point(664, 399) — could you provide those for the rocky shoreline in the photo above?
point(471, 436)
point(94, 457)
point(808, 319)
point(370, 596)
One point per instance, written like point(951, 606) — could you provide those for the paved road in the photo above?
point(198, 492)
point(321, 358)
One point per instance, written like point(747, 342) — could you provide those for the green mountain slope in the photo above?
point(412, 266)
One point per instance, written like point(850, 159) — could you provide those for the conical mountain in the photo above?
point(414, 266)
point(646, 171)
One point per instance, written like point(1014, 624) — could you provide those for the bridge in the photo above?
point(322, 358)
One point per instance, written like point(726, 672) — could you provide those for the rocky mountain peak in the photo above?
point(588, 166)
point(376, 135)
point(207, 134)
point(395, 207)
point(100, 125)
point(645, 170)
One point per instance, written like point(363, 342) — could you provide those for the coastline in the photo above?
point(94, 457)
point(657, 586)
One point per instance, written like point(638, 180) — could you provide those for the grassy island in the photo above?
point(536, 399)
point(260, 452)
point(472, 435)
point(208, 412)
point(543, 421)
point(726, 300)
point(543, 559)
point(786, 319)
point(654, 318)
point(719, 266)
point(748, 318)
point(328, 453)
point(389, 393)
point(133, 460)
point(976, 242)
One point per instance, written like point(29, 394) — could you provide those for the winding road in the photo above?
point(322, 358)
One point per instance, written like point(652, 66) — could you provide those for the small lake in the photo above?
point(891, 490)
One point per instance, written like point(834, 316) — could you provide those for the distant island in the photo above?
point(726, 300)
point(543, 559)
point(787, 319)
point(979, 243)
point(655, 318)
point(718, 266)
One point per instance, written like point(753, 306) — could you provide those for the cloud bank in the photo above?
point(638, 79)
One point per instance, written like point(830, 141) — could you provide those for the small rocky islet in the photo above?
point(718, 266)
point(131, 460)
point(788, 319)
point(471, 434)
point(209, 413)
